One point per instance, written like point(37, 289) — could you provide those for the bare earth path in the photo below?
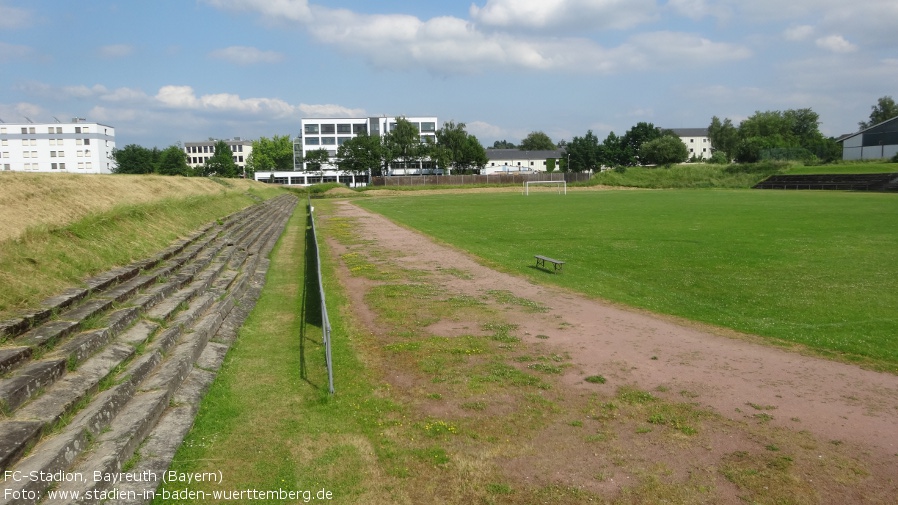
point(735, 377)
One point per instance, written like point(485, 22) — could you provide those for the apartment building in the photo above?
point(79, 147)
point(199, 152)
point(697, 141)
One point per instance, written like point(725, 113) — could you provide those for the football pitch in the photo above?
point(818, 269)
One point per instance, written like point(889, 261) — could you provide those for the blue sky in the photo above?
point(165, 71)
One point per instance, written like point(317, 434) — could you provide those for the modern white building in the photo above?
point(330, 133)
point(505, 161)
point(200, 152)
point(77, 147)
point(697, 141)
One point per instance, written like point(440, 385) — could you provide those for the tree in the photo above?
point(724, 137)
point(361, 154)
point(315, 159)
point(614, 152)
point(791, 134)
point(885, 109)
point(221, 163)
point(537, 141)
point(173, 161)
point(503, 144)
point(271, 154)
point(135, 159)
point(403, 143)
point(634, 138)
point(584, 153)
point(457, 150)
point(665, 150)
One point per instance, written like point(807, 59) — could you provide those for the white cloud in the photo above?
point(116, 51)
point(698, 9)
point(564, 14)
point(12, 18)
point(242, 55)
point(9, 52)
point(798, 33)
point(329, 110)
point(273, 10)
point(482, 129)
point(836, 44)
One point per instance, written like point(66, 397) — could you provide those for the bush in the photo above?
point(895, 158)
point(719, 158)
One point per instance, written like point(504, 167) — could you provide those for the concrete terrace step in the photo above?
point(82, 390)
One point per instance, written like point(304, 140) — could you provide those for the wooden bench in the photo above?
point(541, 262)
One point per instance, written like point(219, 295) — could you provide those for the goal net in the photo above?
point(560, 186)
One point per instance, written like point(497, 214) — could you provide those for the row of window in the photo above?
point(339, 141)
point(53, 154)
point(82, 165)
point(198, 160)
point(235, 148)
point(53, 142)
point(30, 130)
point(325, 129)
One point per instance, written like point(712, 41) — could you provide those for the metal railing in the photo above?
point(325, 321)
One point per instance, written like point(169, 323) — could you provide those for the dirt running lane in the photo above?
point(733, 376)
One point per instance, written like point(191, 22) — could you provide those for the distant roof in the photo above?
point(878, 125)
point(689, 132)
point(518, 154)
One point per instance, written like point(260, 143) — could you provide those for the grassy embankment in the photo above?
point(809, 268)
point(59, 229)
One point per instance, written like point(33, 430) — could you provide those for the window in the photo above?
point(80, 154)
point(62, 166)
point(34, 142)
point(61, 154)
point(78, 130)
point(240, 159)
point(59, 130)
point(24, 129)
point(240, 148)
point(87, 153)
point(51, 130)
point(328, 141)
point(84, 130)
point(312, 141)
point(6, 166)
point(206, 149)
point(31, 130)
point(3, 130)
point(78, 142)
point(428, 127)
point(359, 128)
point(88, 165)
point(342, 140)
point(52, 154)
point(328, 128)
point(344, 128)
point(26, 154)
point(87, 142)
point(311, 128)
point(52, 166)
point(4, 142)
point(80, 165)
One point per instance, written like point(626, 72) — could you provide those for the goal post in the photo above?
point(562, 186)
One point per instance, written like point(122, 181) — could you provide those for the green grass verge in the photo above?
point(867, 167)
point(813, 268)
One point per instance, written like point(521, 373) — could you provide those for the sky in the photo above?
point(167, 71)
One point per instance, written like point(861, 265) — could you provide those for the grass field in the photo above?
point(845, 168)
point(423, 418)
point(812, 268)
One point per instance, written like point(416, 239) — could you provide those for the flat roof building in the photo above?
point(79, 147)
point(199, 152)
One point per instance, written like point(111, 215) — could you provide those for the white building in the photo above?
point(330, 133)
point(697, 141)
point(78, 147)
point(513, 161)
point(200, 152)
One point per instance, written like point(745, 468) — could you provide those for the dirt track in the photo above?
point(732, 376)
